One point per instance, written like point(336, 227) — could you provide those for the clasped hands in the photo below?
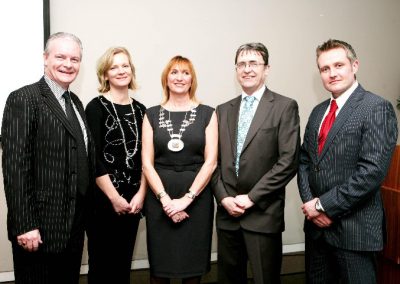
point(121, 206)
point(236, 206)
point(318, 218)
point(175, 208)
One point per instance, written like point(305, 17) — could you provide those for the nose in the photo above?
point(332, 72)
point(67, 63)
point(179, 76)
point(121, 70)
point(247, 67)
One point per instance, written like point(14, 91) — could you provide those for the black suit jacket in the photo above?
point(40, 165)
point(267, 163)
point(347, 175)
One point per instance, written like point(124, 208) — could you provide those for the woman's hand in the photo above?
point(136, 203)
point(176, 205)
point(179, 217)
point(120, 205)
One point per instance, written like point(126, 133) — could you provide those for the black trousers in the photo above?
point(111, 239)
point(327, 264)
point(264, 251)
point(48, 268)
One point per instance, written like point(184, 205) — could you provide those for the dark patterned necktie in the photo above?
point(326, 125)
point(82, 170)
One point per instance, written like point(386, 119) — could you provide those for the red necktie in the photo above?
point(326, 126)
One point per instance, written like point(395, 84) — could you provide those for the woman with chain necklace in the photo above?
point(179, 156)
point(115, 120)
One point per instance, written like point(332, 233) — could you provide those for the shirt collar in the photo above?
point(57, 90)
point(257, 94)
point(342, 99)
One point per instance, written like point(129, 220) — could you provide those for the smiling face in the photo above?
point(251, 78)
point(62, 61)
point(179, 80)
point(119, 75)
point(337, 71)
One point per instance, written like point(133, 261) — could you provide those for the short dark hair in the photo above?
point(254, 46)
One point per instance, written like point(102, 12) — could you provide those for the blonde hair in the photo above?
point(184, 63)
point(105, 62)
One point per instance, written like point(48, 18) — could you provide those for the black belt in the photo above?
point(179, 168)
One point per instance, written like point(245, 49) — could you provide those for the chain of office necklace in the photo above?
point(129, 156)
point(175, 144)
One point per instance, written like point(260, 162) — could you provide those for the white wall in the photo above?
point(209, 32)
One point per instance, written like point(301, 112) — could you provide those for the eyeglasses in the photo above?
point(252, 65)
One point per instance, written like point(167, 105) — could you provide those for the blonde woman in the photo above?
point(115, 120)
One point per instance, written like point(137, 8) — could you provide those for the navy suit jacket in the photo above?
point(40, 165)
point(268, 162)
point(347, 175)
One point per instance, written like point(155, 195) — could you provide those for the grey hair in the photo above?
point(253, 46)
point(62, 35)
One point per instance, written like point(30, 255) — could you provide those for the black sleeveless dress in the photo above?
point(179, 250)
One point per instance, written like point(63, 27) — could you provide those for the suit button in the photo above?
point(316, 169)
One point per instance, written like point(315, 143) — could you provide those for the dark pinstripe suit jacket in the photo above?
point(347, 175)
point(39, 165)
point(268, 162)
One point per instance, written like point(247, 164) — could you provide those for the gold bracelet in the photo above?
point(161, 194)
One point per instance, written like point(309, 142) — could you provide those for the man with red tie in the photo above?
point(347, 147)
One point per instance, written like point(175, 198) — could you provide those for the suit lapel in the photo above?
point(264, 107)
point(344, 114)
point(51, 101)
point(315, 129)
point(232, 117)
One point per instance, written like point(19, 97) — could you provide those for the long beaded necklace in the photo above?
point(129, 154)
point(176, 144)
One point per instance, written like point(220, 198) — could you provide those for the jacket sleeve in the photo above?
point(18, 134)
point(286, 166)
point(378, 141)
point(304, 167)
point(217, 184)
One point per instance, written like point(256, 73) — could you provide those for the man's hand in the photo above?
point(233, 207)
point(322, 221)
point(30, 241)
point(309, 210)
point(318, 218)
point(244, 201)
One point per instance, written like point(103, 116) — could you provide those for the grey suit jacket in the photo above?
point(267, 163)
point(347, 175)
point(39, 165)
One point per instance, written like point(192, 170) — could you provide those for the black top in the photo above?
point(112, 158)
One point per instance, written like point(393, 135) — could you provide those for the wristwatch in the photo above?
point(318, 206)
point(191, 194)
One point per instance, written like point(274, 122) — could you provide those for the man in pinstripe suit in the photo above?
point(47, 168)
point(340, 175)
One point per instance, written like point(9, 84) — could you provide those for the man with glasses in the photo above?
point(259, 137)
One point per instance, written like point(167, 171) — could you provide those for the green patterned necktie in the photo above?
point(245, 118)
